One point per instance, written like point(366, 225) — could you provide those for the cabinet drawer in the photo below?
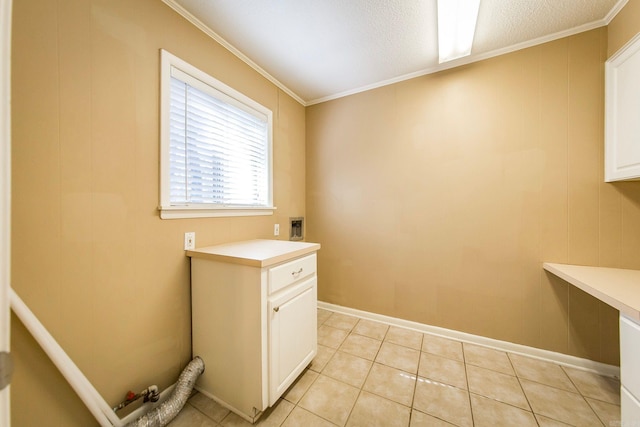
point(290, 272)
point(629, 351)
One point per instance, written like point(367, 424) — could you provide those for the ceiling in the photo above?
point(317, 50)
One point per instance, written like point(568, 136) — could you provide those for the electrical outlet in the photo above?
point(189, 240)
point(276, 229)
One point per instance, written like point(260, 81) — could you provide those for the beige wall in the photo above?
point(437, 199)
point(624, 26)
point(90, 255)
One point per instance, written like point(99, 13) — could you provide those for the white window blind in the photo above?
point(217, 159)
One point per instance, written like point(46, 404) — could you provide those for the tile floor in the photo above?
point(369, 374)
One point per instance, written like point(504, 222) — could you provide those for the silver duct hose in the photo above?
point(167, 411)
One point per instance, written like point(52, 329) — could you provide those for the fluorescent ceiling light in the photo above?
point(456, 27)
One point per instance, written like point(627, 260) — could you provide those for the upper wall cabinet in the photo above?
point(622, 113)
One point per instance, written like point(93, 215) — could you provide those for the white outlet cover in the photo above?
point(189, 240)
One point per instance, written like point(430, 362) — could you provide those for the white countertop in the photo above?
point(255, 253)
point(620, 288)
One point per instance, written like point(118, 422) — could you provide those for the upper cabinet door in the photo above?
point(622, 113)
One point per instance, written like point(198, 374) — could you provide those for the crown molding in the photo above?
point(614, 11)
point(470, 59)
point(440, 67)
point(215, 36)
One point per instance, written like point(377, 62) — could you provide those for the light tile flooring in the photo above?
point(369, 374)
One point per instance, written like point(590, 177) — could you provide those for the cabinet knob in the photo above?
point(276, 309)
point(296, 273)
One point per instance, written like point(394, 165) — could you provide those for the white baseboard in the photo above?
point(537, 353)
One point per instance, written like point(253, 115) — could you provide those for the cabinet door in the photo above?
point(622, 106)
point(292, 335)
point(629, 351)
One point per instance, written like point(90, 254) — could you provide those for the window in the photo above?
point(215, 147)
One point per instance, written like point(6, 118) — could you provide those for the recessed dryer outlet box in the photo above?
point(296, 230)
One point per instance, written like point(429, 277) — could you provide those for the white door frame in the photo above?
point(5, 193)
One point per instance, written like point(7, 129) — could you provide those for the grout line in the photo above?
point(463, 337)
point(469, 393)
point(411, 407)
point(466, 377)
point(415, 383)
point(522, 388)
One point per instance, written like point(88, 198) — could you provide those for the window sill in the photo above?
point(181, 212)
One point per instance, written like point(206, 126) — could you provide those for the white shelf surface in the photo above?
point(620, 288)
point(255, 253)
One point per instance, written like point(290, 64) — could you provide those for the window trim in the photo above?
point(203, 210)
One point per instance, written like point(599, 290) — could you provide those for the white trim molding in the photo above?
point(466, 60)
point(536, 353)
point(244, 58)
point(173, 4)
point(173, 212)
point(614, 11)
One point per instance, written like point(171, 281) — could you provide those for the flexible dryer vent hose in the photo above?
point(167, 411)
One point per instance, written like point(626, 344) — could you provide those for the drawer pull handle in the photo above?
point(276, 309)
point(296, 273)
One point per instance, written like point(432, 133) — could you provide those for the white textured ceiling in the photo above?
point(323, 49)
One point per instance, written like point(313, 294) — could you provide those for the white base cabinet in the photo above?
point(253, 320)
point(629, 371)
